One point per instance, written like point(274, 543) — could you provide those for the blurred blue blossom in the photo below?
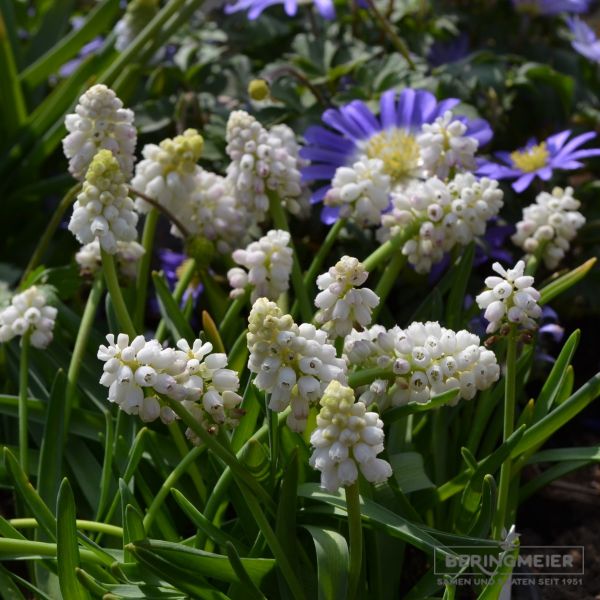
point(90, 48)
point(355, 132)
point(540, 159)
point(584, 39)
point(552, 7)
point(171, 265)
point(450, 51)
point(255, 7)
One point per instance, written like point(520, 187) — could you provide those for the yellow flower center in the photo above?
point(532, 159)
point(398, 150)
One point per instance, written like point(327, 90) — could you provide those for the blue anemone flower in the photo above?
point(255, 7)
point(558, 152)
point(584, 39)
point(172, 264)
point(354, 132)
point(552, 7)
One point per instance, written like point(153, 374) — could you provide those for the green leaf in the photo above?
point(482, 525)
point(204, 563)
point(10, 590)
point(409, 472)
point(456, 297)
point(554, 472)
point(378, 516)
point(544, 428)
point(552, 384)
point(332, 562)
point(499, 576)
point(561, 454)
point(393, 414)
point(97, 22)
point(67, 549)
point(169, 310)
point(25, 490)
point(563, 283)
point(51, 452)
point(249, 588)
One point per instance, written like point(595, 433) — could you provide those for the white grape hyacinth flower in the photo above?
point(347, 440)
point(127, 258)
point(341, 303)
point(549, 225)
point(444, 146)
point(169, 174)
point(362, 192)
point(30, 313)
point(419, 362)
point(445, 215)
point(510, 299)
point(137, 373)
point(99, 123)
point(261, 163)
point(293, 363)
point(268, 263)
point(217, 215)
point(103, 210)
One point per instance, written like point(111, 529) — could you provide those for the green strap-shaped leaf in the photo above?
point(563, 283)
point(332, 562)
point(456, 297)
point(67, 549)
point(51, 453)
point(551, 386)
point(25, 490)
point(169, 310)
point(482, 525)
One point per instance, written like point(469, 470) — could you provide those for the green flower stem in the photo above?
point(227, 457)
point(534, 260)
point(194, 473)
point(367, 376)
point(112, 284)
point(182, 285)
point(389, 32)
point(387, 280)
point(50, 230)
point(169, 482)
point(280, 221)
point(112, 530)
point(141, 288)
point(387, 249)
point(317, 262)
point(83, 334)
point(23, 407)
point(232, 312)
point(510, 393)
point(355, 535)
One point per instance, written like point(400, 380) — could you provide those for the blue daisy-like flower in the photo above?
point(584, 39)
point(353, 133)
point(255, 7)
point(558, 152)
point(552, 7)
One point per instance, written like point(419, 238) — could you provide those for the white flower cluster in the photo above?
point(136, 372)
point(360, 191)
point(169, 173)
point(28, 312)
point(263, 161)
point(137, 15)
point(444, 146)
point(294, 363)
point(341, 303)
point(424, 360)
point(347, 438)
point(446, 214)
point(99, 122)
point(216, 214)
point(127, 257)
point(269, 264)
point(550, 224)
point(510, 298)
point(103, 210)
